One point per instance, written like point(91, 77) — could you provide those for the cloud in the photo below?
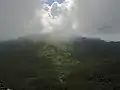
point(90, 18)
point(94, 18)
point(58, 20)
point(99, 14)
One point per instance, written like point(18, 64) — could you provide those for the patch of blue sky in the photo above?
point(50, 2)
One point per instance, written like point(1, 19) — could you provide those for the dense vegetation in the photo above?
point(85, 64)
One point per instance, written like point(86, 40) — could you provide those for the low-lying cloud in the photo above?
point(94, 18)
point(66, 20)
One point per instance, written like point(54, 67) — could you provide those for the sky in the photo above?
point(50, 2)
point(61, 19)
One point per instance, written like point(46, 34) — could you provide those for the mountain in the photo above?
point(23, 64)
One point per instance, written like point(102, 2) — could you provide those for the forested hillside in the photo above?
point(83, 64)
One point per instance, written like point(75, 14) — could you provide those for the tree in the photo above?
point(61, 57)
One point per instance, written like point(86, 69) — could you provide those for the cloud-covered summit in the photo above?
point(94, 18)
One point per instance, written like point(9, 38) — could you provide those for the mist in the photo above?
point(67, 20)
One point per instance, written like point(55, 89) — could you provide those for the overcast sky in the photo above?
point(96, 18)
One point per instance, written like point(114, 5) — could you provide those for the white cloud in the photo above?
point(58, 20)
point(94, 18)
point(91, 18)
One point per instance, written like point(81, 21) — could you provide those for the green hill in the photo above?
point(87, 64)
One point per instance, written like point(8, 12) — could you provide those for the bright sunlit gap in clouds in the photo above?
point(57, 18)
point(67, 19)
point(60, 19)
